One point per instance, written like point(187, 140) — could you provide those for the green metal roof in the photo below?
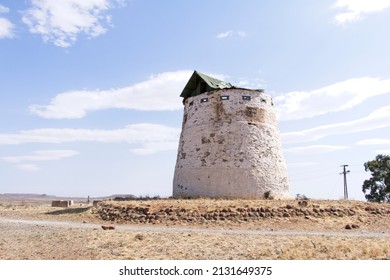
point(200, 83)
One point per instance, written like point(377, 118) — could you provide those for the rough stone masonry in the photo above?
point(230, 147)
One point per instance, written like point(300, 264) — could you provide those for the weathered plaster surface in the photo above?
point(230, 147)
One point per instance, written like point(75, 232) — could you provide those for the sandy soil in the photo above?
point(32, 231)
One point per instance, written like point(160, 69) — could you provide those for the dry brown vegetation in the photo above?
point(196, 229)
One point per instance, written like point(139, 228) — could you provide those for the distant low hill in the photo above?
point(46, 197)
point(32, 195)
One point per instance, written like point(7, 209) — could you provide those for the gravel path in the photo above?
point(20, 223)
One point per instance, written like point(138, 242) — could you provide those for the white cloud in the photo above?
point(153, 147)
point(62, 21)
point(6, 27)
point(315, 149)
point(254, 83)
point(150, 137)
point(374, 141)
point(28, 167)
point(380, 118)
point(225, 34)
point(159, 92)
point(355, 9)
point(44, 155)
point(3, 10)
point(231, 33)
point(333, 98)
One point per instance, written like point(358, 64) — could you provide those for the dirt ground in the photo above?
point(201, 229)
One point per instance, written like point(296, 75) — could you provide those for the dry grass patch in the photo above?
point(156, 246)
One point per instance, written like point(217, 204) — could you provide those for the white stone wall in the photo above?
point(230, 147)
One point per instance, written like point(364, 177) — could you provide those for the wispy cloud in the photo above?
point(374, 141)
point(378, 119)
point(44, 155)
point(231, 33)
point(3, 9)
point(61, 22)
point(255, 83)
point(153, 147)
point(28, 167)
point(6, 26)
point(24, 162)
point(315, 149)
point(354, 10)
point(159, 92)
point(333, 98)
point(150, 138)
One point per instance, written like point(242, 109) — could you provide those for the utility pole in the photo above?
point(345, 172)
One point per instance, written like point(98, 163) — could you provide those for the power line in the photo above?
point(345, 172)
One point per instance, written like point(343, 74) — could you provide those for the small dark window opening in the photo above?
point(204, 100)
point(246, 97)
point(191, 103)
point(263, 100)
point(225, 97)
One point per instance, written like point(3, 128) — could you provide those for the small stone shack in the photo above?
point(62, 203)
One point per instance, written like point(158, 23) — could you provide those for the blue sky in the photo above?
point(90, 89)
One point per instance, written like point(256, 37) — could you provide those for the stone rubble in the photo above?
point(170, 215)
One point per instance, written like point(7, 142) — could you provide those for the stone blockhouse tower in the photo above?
point(229, 145)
